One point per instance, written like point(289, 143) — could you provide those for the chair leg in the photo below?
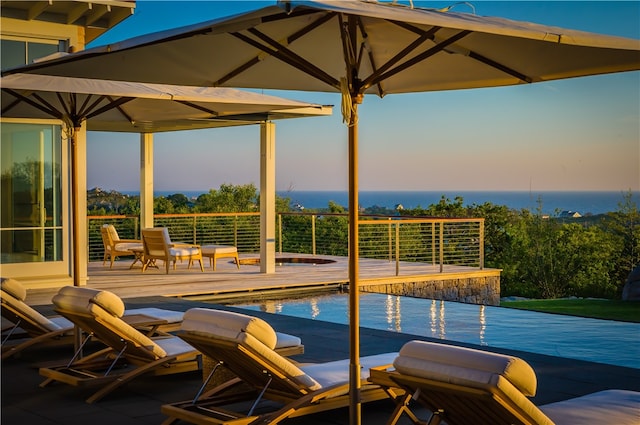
point(237, 261)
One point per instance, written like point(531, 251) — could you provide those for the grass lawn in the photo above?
point(627, 311)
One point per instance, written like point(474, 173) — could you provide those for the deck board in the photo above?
point(129, 283)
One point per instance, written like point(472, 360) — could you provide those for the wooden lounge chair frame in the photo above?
point(459, 394)
point(30, 328)
point(261, 375)
point(129, 352)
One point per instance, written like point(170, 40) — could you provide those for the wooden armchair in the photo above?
point(158, 246)
point(115, 247)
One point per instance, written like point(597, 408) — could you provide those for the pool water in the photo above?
point(602, 341)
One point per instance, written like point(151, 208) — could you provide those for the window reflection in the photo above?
point(31, 193)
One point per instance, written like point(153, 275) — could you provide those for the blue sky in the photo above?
point(576, 134)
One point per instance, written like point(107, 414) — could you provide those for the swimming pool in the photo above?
point(601, 341)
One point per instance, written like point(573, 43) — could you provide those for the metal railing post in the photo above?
point(441, 246)
point(397, 249)
point(390, 240)
point(194, 236)
point(481, 253)
point(280, 232)
point(235, 230)
point(313, 234)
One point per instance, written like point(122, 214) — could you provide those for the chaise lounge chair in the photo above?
point(30, 328)
point(244, 345)
point(129, 353)
point(463, 386)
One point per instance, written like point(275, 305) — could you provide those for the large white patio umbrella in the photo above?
point(141, 107)
point(136, 108)
point(355, 48)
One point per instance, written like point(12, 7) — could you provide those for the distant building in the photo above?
point(570, 214)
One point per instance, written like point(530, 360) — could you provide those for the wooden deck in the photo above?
point(228, 281)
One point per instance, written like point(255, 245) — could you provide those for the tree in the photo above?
point(624, 226)
point(229, 198)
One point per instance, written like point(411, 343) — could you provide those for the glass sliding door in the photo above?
point(31, 194)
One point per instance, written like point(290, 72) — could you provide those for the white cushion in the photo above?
point(227, 324)
point(174, 346)
point(127, 246)
point(218, 249)
point(285, 340)
point(33, 314)
point(443, 362)
point(617, 407)
point(169, 315)
point(183, 251)
point(74, 298)
point(13, 288)
point(337, 372)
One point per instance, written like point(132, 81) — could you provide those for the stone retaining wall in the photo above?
point(472, 290)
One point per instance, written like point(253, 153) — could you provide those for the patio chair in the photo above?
point(115, 247)
point(264, 380)
point(158, 246)
point(129, 353)
point(30, 328)
point(462, 386)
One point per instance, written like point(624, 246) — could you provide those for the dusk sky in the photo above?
point(567, 135)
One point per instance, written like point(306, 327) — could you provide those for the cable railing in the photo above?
point(435, 241)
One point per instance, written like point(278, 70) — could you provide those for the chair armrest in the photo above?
point(128, 241)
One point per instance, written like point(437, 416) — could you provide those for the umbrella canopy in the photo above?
point(355, 48)
point(136, 107)
point(303, 45)
point(140, 107)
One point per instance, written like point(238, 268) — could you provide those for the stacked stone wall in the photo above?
point(471, 290)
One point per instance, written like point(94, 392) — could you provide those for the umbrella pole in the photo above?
point(354, 290)
point(77, 337)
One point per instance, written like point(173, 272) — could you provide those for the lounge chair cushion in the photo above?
point(13, 288)
point(228, 325)
point(251, 332)
point(170, 316)
point(73, 297)
point(337, 372)
point(285, 340)
point(446, 362)
point(51, 325)
point(284, 366)
point(108, 308)
point(618, 407)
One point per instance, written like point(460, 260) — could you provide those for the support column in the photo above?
point(146, 180)
point(267, 197)
point(82, 254)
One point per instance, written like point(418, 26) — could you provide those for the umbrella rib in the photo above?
point(284, 54)
point(45, 107)
point(198, 107)
point(113, 104)
point(424, 55)
point(293, 37)
point(376, 77)
point(372, 61)
point(500, 67)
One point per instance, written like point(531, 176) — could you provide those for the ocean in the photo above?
point(551, 202)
